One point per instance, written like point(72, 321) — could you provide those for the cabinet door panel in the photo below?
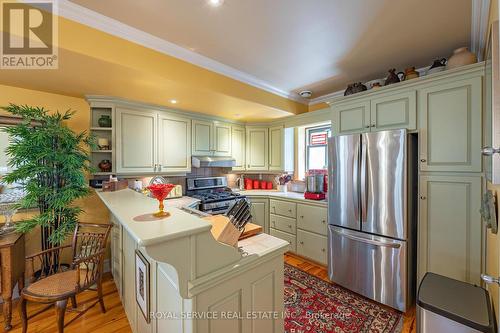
point(222, 139)
point(312, 218)
point(282, 223)
point(238, 146)
point(283, 208)
point(135, 141)
point(257, 148)
point(312, 246)
point(285, 236)
point(260, 212)
point(449, 232)
point(174, 157)
point(450, 126)
point(394, 111)
point(276, 158)
point(351, 118)
point(202, 137)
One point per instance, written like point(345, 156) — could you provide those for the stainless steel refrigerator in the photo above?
point(372, 215)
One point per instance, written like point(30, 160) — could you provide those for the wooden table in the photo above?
point(12, 271)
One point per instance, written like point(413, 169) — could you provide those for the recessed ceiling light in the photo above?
point(215, 3)
point(173, 101)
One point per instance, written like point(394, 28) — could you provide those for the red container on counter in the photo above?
point(263, 184)
point(255, 184)
point(248, 184)
point(269, 185)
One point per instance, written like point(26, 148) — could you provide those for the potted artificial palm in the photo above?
point(50, 161)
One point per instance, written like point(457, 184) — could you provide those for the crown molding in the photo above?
point(479, 26)
point(85, 16)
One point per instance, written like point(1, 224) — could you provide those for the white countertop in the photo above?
point(127, 204)
point(283, 195)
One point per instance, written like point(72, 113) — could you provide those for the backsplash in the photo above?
point(206, 172)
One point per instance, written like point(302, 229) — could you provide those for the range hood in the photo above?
point(213, 162)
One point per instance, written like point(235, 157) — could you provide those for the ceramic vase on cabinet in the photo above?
point(104, 121)
point(461, 57)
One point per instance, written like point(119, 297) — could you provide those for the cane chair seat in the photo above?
point(57, 286)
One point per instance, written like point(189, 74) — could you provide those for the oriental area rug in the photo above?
point(316, 306)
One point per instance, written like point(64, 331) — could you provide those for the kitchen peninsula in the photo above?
point(196, 284)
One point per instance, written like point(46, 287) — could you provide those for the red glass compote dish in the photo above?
point(160, 192)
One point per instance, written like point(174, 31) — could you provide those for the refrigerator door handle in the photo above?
point(364, 171)
point(366, 240)
point(355, 182)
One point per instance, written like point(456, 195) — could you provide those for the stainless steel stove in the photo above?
point(216, 197)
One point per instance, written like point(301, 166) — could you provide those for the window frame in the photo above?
point(311, 130)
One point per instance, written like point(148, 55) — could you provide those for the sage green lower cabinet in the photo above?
point(450, 126)
point(313, 246)
point(117, 255)
point(128, 279)
point(259, 208)
point(394, 111)
point(351, 117)
point(449, 231)
point(312, 218)
point(283, 208)
point(282, 223)
point(290, 238)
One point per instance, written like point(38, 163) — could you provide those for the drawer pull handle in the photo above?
point(324, 222)
point(290, 226)
point(301, 243)
point(323, 250)
point(423, 197)
point(290, 210)
point(423, 160)
point(301, 216)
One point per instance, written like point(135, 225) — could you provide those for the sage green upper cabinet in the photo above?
point(449, 232)
point(276, 153)
point(211, 138)
point(174, 157)
point(238, 146)
point(394, 111)
point(202, 137)
point(351, 118)
point(222, 139)
point(136, 141)
point(257, 152)
point(450, 126)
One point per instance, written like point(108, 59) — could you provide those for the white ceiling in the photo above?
point(303, 44)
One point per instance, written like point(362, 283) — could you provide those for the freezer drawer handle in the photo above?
point(368, 241)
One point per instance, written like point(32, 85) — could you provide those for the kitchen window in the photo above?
point(316, 147)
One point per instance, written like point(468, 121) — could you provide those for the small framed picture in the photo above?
point(142, 284)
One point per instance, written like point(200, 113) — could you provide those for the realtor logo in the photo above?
point(29, 34)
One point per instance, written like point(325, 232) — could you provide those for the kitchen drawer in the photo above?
point(312, 246)
point(285, 236)
point(283, 208)
point(282, 223)
point(312, 219)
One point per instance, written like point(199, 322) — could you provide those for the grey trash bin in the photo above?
point(448, 305)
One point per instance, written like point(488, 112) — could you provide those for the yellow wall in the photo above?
point(95, 211)
point(493, 241)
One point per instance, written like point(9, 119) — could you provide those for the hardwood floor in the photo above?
point(88, 317)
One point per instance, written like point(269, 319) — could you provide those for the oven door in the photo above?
point(369, 265)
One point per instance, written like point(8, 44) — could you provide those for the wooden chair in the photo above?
point(59, 282)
